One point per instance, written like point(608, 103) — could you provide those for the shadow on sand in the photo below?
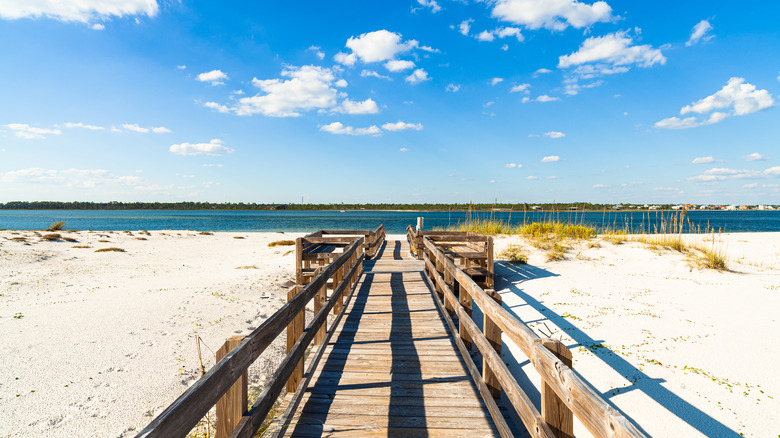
point(510, 277)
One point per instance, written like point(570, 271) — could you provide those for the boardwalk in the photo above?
point(392, 368)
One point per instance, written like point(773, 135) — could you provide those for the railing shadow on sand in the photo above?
point(509, 278)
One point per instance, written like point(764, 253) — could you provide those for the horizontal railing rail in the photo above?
point(568, 392)
point(178, 419)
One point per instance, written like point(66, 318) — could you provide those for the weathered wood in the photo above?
point(185, 412)
point(294, 331)
point(232, 405)
point(299, 261)
point(554, 411)
point(493, 335)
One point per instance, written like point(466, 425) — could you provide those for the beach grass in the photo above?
point(56, 226)
point(110, 249)
point(515, 253)
point(282, 243)
point(51, 237)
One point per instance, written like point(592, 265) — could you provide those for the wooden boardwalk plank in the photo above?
point(392, 367)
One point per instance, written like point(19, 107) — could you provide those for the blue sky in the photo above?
point(402, 101)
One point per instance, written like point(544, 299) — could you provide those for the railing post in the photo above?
point(493, 334)
point(491, 278)
point(464, 297)
point(554, 412)
point(336, 282)
point(319, 302)
point(232, 405)
point(298, 261)
point(294, 331)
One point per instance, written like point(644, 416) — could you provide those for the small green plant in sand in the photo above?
point(515, 253)
point(282, 243)
point(51, 237)
point(110, 249)
point(56, 226)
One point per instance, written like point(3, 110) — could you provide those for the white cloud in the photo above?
point(699, 33)
point(377, 46)
point(750, 186)
point(551, 14)
point(367, 106)
point(181, 67)
point(212, 165)
point(704, 160)
point(551, 159)
point(217, 107)
point(666, 189)
point(308, 87)
point(504, 32)
point(68, 178)
point(505, 47)
point(27, 132)
point(496, 81)
point(755, 156)
point(546, 98)
point(574, 88)
point(513, 166)
point(465, 27)
point(430, 4)
point(398, 65)
point(452, 88)
point(401, 126)
point(214, 147)
point(417, 76)
point(76, 10)
point(403, 150)
point(600, 186)
point(542, 71)
point(97, 26)
point(371, 73)
point(485, 36)
point(737, 96)
point(84, 126)
point(317, 52)
point(135, 128)
point(339, 128)
point(520, 88)
point(531, 177)
point(610, 54)
point(555, 134)
point(772, 171)
point(161, 130)
point(215, 77)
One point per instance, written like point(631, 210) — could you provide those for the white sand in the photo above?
point(104, 341)
point(635, 318)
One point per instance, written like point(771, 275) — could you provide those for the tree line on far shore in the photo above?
point(114, 205)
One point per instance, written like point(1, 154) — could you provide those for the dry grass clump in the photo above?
point(247, 267)
point(19, 239)
point(53, 237)
point(104, 241)
point(559, 229)
point(140, 238)
point(206, 233)
point(81, 246)
point(711, 258)
point(486, 226)
point(515, 254)
point(672, 242)
point(69, 239)
point(145, 233)
point(110, 249)
point(56, 226)
point(282, 243)
point(238, 237)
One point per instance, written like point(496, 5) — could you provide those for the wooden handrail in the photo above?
point(597, 415)
point(185, 412)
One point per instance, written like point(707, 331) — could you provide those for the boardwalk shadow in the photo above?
point(510, 278)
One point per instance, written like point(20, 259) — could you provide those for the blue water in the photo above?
point(395, 222)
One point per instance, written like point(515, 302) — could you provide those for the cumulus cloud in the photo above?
point(485, 36)
point(417, 76)
point(496, 81)
point(214, 147)
point(610, 54)
point(723, 173)
point(555, 134)
point(600, 186)
point(339, 128)
point(181, 67)
point(140, 129)
point(317, 52)
point(501, 32)
point(531, 177)
point(76, 10)
point(308, 87)
point(452, 88)
point(377, 46)
point(214, 77)
point(84, 126)
point(431, 4)
point(68, 178)
point(513, 166)
point(161, 130)
point(398, 65)
point(465, 27)
point(545, 98)
point(704, 160)
point(520, 88)
point(97, 26)
point(27, 132)
point(755, 156)
point(542, 71)
point(551, 159)
point(736, 97)
point(402, 126)
point(371, 73)
point(551, 14)
point(367, 106)
point(217, 107)
point(699, 33)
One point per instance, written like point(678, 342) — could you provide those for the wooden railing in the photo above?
point(563, 392)
point(472, 252)
point(183, 414)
